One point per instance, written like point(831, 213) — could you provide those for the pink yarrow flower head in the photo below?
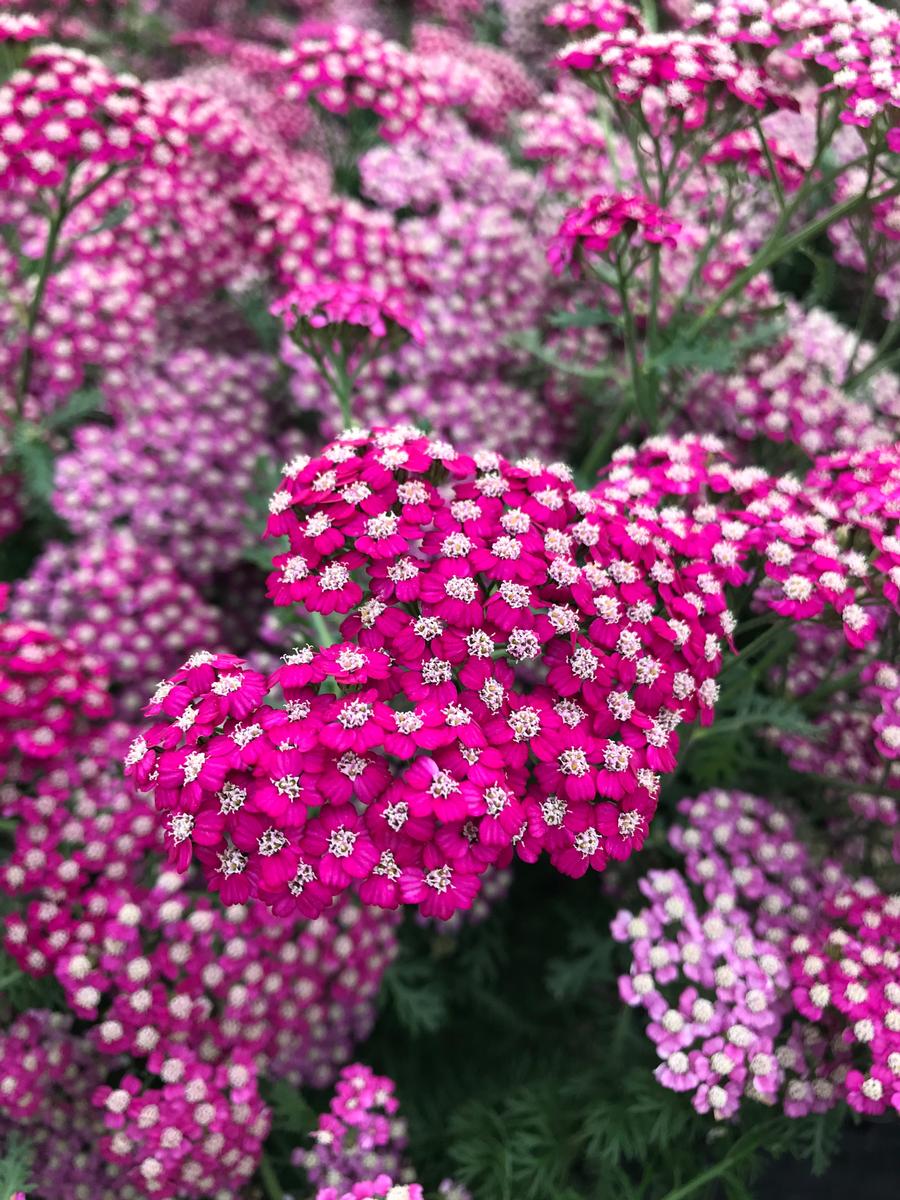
point(607, 224)
point(65, 111)
point(848, 52)
point(345, 68)
point(341, 327)
point(51, 692)
point(744, 151)
point(608, 16)
point(350, 312)
point(703, 83)
point(511, 665)
point(361, 1137)
point(22, 27)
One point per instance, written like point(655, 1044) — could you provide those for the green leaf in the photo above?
point(35, 460)
point(585, 318)
point(79, 405)
point(15, 1166)
point(254, 307)
point(530, 341)
point(291, 1112)
point(115, 216)
point(703, 354)
point(412, 988)
point(587, 964)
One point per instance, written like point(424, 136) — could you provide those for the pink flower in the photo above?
point(598, 224)
point(339, 307)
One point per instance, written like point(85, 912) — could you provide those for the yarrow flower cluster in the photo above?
point(609, 16)
point(360, 1144)
point(126, 605)
point(345, 309)
point(784, 987)
point(360, 1137)
point(506, 652)
point(65, 109)
point(346, 68)
point(177, 466)
point(701, 80)
point(51, 692)
point(536, 229)
point(163, 980)
point(711, 989)
point(596, 225)
point(847, 48)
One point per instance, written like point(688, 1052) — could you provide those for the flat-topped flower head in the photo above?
point(345, 68)
point(22, 27)
point(608, 16)
point(608, 224)
point(346, 311)
point(64, 110)
point(702, 83)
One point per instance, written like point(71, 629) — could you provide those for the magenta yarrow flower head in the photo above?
point(744, 150)
point(608, 16)
point(178, 463)
point(126, 605)
point(360, 1136)
point(849, 51)
point(51, 693)
point(345, 68)
point(197, 1129)
point(790, 391)
point(796, 528)
point(844, 972)
point(497, 85)
point(382, 1187)
point(22, 27)
point(48, 1075)
point(703, 82)
point(66, 111)
point(348, 311)
point(597, 226)
point(516, 658)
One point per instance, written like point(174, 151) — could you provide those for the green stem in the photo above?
point(648, 12)
point(630, 332)
point(342, 383)
point(321, 632)
point(610, 146)
point(269, 1179)
point(735, 1155)
point(776, 248)
point(599, 452)
point(56, 220)
point(877, 364)
point(883, 354)
point(776, 182)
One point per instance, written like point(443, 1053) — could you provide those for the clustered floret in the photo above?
point(508, 678)
point(163, 980)
point(65, 112)
point(762, 978)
